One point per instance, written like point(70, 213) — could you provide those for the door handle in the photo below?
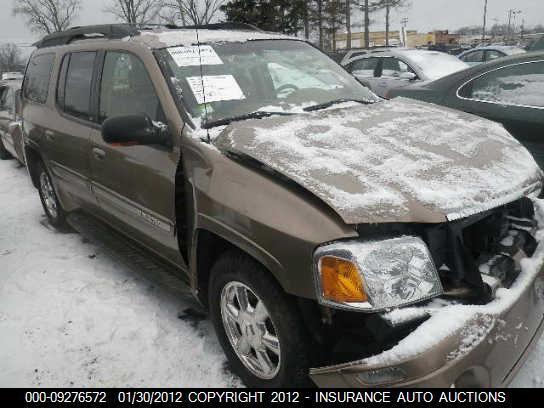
point(98, 154)
point(50, 135)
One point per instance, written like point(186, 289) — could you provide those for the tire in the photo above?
point(234, 272)
point(4, 154)
point(51, 205)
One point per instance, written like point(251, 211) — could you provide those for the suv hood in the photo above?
point(394, 161)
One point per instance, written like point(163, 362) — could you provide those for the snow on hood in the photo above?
point(394, 161)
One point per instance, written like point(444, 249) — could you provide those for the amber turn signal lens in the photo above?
point(341, 281)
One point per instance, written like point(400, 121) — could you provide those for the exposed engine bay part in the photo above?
point(475, 257)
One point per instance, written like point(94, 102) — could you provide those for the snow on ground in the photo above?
point(71, 315)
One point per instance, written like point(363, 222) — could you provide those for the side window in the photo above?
point(38, 75)
point(476, 56)
point(364, 67)
point(77, 87)
point(521, 84)
point(493, 55)
point(393, 67)
point(126, 88)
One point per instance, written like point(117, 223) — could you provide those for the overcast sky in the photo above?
point(423, 15)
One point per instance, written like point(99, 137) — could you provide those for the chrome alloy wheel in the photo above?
point(48, 195)
point(250, 330)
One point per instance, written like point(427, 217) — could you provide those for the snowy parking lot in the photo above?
point(71, 315)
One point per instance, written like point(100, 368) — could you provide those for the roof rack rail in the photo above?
point(110, 31)
point(118, 31)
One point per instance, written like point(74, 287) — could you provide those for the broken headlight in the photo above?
point(376, 275)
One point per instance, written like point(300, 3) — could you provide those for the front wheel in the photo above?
point(51, 205)
point(258, 325)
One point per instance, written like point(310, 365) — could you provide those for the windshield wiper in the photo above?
point(246, 116)
point(336, 102)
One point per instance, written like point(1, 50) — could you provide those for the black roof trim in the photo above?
point(118, 31)
point(110, 31)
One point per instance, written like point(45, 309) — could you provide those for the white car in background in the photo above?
point(383, 70)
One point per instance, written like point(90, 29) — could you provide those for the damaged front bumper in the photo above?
point(458, 345)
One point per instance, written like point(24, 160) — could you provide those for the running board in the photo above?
point(140, 260)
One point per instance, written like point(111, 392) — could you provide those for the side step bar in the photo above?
point(140, 260)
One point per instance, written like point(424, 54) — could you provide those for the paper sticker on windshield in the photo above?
point(216, 88)
point(191, 56)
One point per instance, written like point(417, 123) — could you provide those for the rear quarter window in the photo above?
point(38, 76)
point(520, 84)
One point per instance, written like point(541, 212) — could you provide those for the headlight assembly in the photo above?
point(376, 275)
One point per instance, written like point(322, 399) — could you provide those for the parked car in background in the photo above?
point(479, 55)
point(509, 91)
point(452, 49)
point(11, 139)
point(332, 235)
point(384, 70)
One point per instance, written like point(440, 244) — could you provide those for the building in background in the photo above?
point(413, 39)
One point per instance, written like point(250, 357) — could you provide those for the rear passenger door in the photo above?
point(67, 136)
point(134, 185)
point(491, 55)
point(474, 57)
point(366, 70)
point(391, 75)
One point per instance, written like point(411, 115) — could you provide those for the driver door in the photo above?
point(134, 185)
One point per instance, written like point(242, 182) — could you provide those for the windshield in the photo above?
point(237, 79)
point(436, 65)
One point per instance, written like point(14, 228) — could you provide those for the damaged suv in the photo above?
point(333, 236)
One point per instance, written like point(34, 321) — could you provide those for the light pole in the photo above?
point(404, 22)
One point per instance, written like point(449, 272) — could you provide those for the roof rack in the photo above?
point(110, 31)
point(118, 31)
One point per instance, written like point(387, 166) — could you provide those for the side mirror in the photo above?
point(131, 130)
point(410, 76)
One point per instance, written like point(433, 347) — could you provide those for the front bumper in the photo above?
point(459, 345)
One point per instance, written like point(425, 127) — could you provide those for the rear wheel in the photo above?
point(4, 154)
point(257, 324)
point(51, 205)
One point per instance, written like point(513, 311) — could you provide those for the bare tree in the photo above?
point(135, 11)
point(348, 23)
point(389, 5)
point(10, 57)
point(306, 6)
point(334, 13)
point(195, 12)
point(368, 7)
point(366, 13)
point(47, 16)
point(319, 18)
